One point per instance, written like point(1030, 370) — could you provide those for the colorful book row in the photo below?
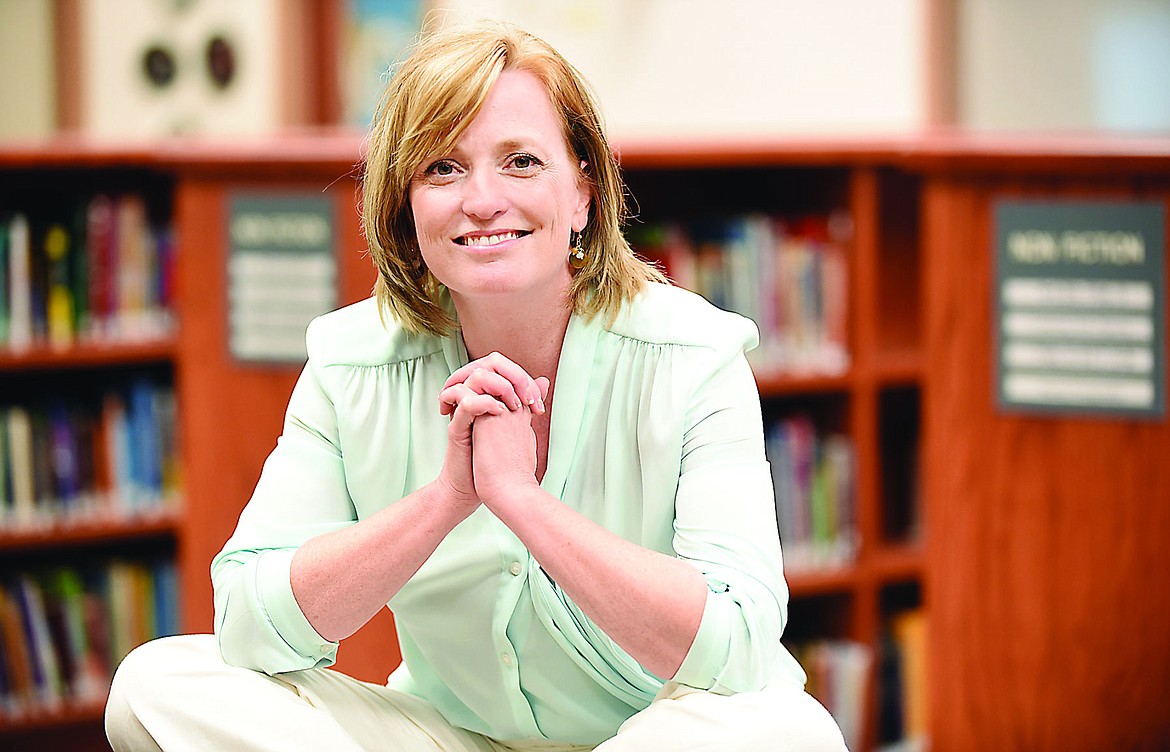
point(838, 675)
point(63, 631)
point(99, 272)
point(814, 479)
point(790, 277)
point(112, 457)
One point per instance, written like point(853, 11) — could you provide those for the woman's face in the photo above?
point(494, 215)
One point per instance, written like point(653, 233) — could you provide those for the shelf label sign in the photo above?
point(1080, 296)
point(282, 272)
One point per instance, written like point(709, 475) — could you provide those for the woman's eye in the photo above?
point(524, 161)
point(442, 169)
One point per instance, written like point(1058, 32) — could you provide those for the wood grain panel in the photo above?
point(237, 409)
point(231, 413)
point(1049, 614)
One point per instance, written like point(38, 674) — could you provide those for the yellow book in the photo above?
point(909, 628)
point(59, 314)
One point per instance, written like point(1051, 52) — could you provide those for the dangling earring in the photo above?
point(577, 254)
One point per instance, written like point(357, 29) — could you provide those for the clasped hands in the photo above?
point(491, 446)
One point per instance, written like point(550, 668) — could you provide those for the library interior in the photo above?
point(969, 443)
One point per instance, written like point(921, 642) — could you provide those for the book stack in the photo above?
point(902, 721)
point(99, 272)
point(64, 630)
point(838, 675)
point(66, 460)
point(789, 276)
point(814, 478)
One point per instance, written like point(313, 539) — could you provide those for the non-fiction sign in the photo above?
point(282, 272)
point(1081, 307)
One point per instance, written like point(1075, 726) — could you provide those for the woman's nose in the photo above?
point(483, 195)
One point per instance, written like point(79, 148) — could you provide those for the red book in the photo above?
point(102, 250)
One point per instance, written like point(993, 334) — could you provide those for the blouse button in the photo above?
point(507, 659)
point(516, 569)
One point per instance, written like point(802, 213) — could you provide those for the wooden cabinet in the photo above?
point(1031, 545)
point(1048, 612)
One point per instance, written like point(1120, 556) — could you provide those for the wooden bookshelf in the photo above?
point(76, 727)
point(240, 406)
point(1047, 533)
point(87, 355)
point(127, 533)
point(91, 533)
point(952, 499)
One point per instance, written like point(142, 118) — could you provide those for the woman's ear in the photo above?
point(585, 197)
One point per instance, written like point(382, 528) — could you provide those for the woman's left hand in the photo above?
point(503, 455)
point(498, 376)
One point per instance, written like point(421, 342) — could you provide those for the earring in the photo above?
point(577, 254)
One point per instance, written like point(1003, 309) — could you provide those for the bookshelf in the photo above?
point(240, 405)
point(90, 502)
point(937, 508)
point(873, 403)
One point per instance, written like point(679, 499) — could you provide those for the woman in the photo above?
point(547, 461)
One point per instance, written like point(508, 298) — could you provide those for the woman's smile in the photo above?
point(490, 240)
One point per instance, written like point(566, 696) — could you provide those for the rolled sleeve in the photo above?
point(728, 534)
point(708, 653)
point(301, 494)
point(725, 525)
point(290, 642)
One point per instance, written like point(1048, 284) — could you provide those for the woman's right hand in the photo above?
point(498, 376)
point(487, 386)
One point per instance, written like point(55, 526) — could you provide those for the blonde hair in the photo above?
point(430, 100)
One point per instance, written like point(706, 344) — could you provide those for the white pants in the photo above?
point(177, 694)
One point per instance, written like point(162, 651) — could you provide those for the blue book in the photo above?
point(64, 458)
point(145, 456)
point(166, 598)
point(46, 670)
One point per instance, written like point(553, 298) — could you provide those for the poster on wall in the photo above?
point(1080, 295)
point(282, 272)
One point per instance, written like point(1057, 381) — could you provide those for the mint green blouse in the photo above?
point(656, 434)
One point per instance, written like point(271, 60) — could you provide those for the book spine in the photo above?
point(6, 513)
point(118, 457)
point(144, 445)
point(20, 451)
point(46, 672)
point(59, 309)
point(64, 460)
point(20, 320)
point(5, 285)
point(100, 240)
point(20, 693)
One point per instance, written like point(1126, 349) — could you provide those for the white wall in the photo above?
point(26, 68)
point(1065, 64)
point(699, 68)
